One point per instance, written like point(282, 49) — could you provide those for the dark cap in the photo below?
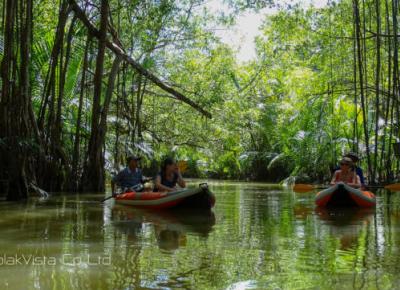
point(353, 156)
point(132, 157)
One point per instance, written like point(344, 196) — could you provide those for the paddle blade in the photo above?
point(182, 165)
point(303, 188)
point(393, 187)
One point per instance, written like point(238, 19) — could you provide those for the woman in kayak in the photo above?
point(346, 174)
point(354, 157)
point(169, 177)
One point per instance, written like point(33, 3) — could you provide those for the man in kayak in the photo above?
point(169, 176)
point(346, 174)
point(131, 177)
point(354, 157)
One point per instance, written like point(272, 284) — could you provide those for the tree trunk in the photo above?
point(355, 122)
point(93, 177)
point(15, 139)
point(106, 106)
point(361, 80)
point(49, 91)
point(387, 105)
point(377, 82)
point(74, 181)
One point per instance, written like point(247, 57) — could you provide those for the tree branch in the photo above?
point(140, 69)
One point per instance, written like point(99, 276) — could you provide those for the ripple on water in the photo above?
point(257, 237)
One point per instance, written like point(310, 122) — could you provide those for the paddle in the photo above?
point(107, 198)
point(182, 165)
point(303, 188)
point(136, 187)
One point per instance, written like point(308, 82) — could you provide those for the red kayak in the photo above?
point(342, 195)
point(200, 197)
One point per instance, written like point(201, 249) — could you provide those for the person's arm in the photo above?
point(146, 179)
point(333, 181)
point(162, 187)
point(180, 181)
point(356, 181)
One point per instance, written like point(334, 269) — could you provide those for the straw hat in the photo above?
point(347, 160)
point(354, 157)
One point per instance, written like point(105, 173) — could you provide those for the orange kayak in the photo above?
point(342, 195)
point(199, 197)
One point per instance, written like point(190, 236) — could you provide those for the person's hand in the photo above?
point(172, 189)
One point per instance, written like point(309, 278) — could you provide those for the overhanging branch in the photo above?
point(140, 69)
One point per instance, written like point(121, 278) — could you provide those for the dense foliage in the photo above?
point(98, 80)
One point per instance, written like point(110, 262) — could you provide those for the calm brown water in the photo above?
point(257, 237)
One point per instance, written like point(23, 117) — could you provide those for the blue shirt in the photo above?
point(128, 178)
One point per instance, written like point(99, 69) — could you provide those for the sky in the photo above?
point(241, 36)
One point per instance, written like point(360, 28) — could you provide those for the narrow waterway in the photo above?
point(258, 236)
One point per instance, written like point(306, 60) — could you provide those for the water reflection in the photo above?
point(258, 236)
point(344, 216)
point(346, 223)
point(170, 226)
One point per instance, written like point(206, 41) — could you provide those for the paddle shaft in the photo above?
point(302, 188)
point(107, 198)
point(366, 186)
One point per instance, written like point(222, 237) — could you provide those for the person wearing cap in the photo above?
point(346, 174)
point(130, 177)
point(354, 157)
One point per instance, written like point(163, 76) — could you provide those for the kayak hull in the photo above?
point(199, 197)
point(342, 195)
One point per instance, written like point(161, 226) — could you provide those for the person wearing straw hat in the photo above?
point(355, 158)
point(346, 174)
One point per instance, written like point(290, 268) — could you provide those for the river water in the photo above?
point(258, 236)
